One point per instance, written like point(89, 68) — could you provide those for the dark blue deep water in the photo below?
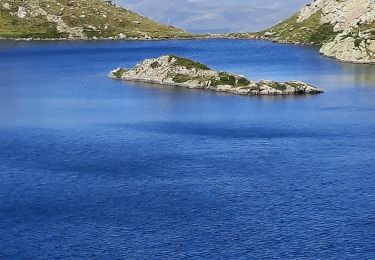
point(92, 168)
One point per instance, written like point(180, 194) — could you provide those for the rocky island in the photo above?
point(344, 29)
point(176, 71)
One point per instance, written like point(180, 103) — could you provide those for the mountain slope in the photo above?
point(344, 28)
point(82, 19)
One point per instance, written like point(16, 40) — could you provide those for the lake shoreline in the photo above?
point(104, 39)
point(193, 38)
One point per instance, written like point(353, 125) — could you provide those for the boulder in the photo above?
point(6, 6)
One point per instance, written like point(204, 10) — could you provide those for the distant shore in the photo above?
point(192, 37)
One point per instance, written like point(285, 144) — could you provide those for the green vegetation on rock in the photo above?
point(310, 30)
point(77, 19)
point(223, 78)
point(181, 78)
point(189, 64)
point(363, 28)
point(277, 85)
point(230, 79)
point(226, 79)
point(12, 26)
point(155, 65)
point(119, 73)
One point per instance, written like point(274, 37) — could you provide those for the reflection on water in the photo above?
point(360, 73)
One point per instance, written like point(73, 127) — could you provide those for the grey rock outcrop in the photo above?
point(351, 48)
point(353, 20)
point(345, 29)
point(176, 71)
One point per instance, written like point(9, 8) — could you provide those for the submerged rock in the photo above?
point(176, 71)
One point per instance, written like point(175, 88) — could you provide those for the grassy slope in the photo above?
point(309, 31)
point(11, 26)
point(108, 20)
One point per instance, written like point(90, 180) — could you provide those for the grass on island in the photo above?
point(118, 74)
point(188, 63)
point(277, 85)
point(223, 79)
point(155, 65)
point(181, 78)
point(230, 79)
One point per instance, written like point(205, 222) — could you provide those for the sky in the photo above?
point(215, 16)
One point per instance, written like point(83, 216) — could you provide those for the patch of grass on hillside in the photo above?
point(36, 27)
point(111, 21)
point(307, 31)
point(97, 17)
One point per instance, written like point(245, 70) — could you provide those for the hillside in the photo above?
point(345, 29)
point(77, 19)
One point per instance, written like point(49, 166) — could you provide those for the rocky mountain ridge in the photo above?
point(176, 71)
point(77, 19)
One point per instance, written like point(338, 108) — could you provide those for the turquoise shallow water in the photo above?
point(94, 168)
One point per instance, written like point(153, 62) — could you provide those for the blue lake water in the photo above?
point(98, 169)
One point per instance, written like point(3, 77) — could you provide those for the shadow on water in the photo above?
point(227, 131)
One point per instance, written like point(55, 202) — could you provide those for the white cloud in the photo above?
point(216, 15)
